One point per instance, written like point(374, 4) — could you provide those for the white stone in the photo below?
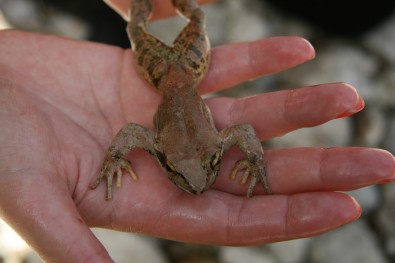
point(389, 191)
point(385, 218)
point(244, 22)
point(385, 88)
point(216, 22)
point(368, 198)
point(331, 134)
point(371, 126)
point(13, 249)
point(167, 29)
point(382, 40)
point(245, 254)
point(3, 22)
point(67, 25)
point(338, 62)
point(390, 136)
point(127, 247)
point(294, 251)
point(352, 243)
point(21, 13)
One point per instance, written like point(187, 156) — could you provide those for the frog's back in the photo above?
point(187, 120)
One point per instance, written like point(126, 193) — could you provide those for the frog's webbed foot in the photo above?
point(190, 49)
point(129, 137)
point(253, 166)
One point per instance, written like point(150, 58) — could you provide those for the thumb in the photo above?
point(51, 226)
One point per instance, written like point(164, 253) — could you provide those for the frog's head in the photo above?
point(193, 174)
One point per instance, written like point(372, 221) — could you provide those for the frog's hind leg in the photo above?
point(193, 42)
point(149, 51)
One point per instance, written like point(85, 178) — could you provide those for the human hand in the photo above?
point(62, 101)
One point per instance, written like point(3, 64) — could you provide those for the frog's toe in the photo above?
point(125, 164)
point(103, 173)
point(111, 168)
point(240, 166)
point(116, 169)
point(249, 171)
point(255, 171)
point(109, 186)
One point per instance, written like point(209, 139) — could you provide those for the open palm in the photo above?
point(62, 101)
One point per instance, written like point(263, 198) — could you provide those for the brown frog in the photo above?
point(184, 138)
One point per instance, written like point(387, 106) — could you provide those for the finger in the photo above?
point(300, 170)
point(160, 8)
point(274, 114)
point(333, 169)
point(42, 219)
point(221, 219)
point(236, 63)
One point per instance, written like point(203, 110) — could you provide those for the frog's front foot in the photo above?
point(254, 170)
point(243, 136)
point(110, 167)
point(131, 136)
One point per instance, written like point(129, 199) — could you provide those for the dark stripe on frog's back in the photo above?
point(194, 49)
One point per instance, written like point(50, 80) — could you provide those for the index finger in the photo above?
point(160, 8)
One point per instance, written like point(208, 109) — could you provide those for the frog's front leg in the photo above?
point(244, 137)
point(129, 137)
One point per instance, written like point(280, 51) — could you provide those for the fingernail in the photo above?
point(118, 9)
point(387, 160)
point(358, 107)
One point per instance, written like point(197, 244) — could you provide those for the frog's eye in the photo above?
point(165, 163)
point(170, 167)
point(215, 160)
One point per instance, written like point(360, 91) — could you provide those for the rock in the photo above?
point(127, 247)
point(28, 15)
point(337, 61)
point(385, 88)
point(389, 139)
point(369, 126)
point(245, 22)
point(352, 243)
point(382, 40)
point(67, 25)
point(368, 198)
point(3, 22)
point(167, 29)
point(330, 134)
point(22, 14)
point(191, 253)
point(216, 23)
point(13, 249)
point(385, 223)
point(294, 251)
point(245, 254)
point(252, 20)
point(385, 219)
point(388, 192)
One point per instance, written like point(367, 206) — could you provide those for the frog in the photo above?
point(184, 139)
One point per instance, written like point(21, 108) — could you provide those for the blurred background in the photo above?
point(355, 43)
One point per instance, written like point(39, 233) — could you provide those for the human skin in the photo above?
point(62, 101)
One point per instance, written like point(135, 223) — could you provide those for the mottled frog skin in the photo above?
point(184, 139)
